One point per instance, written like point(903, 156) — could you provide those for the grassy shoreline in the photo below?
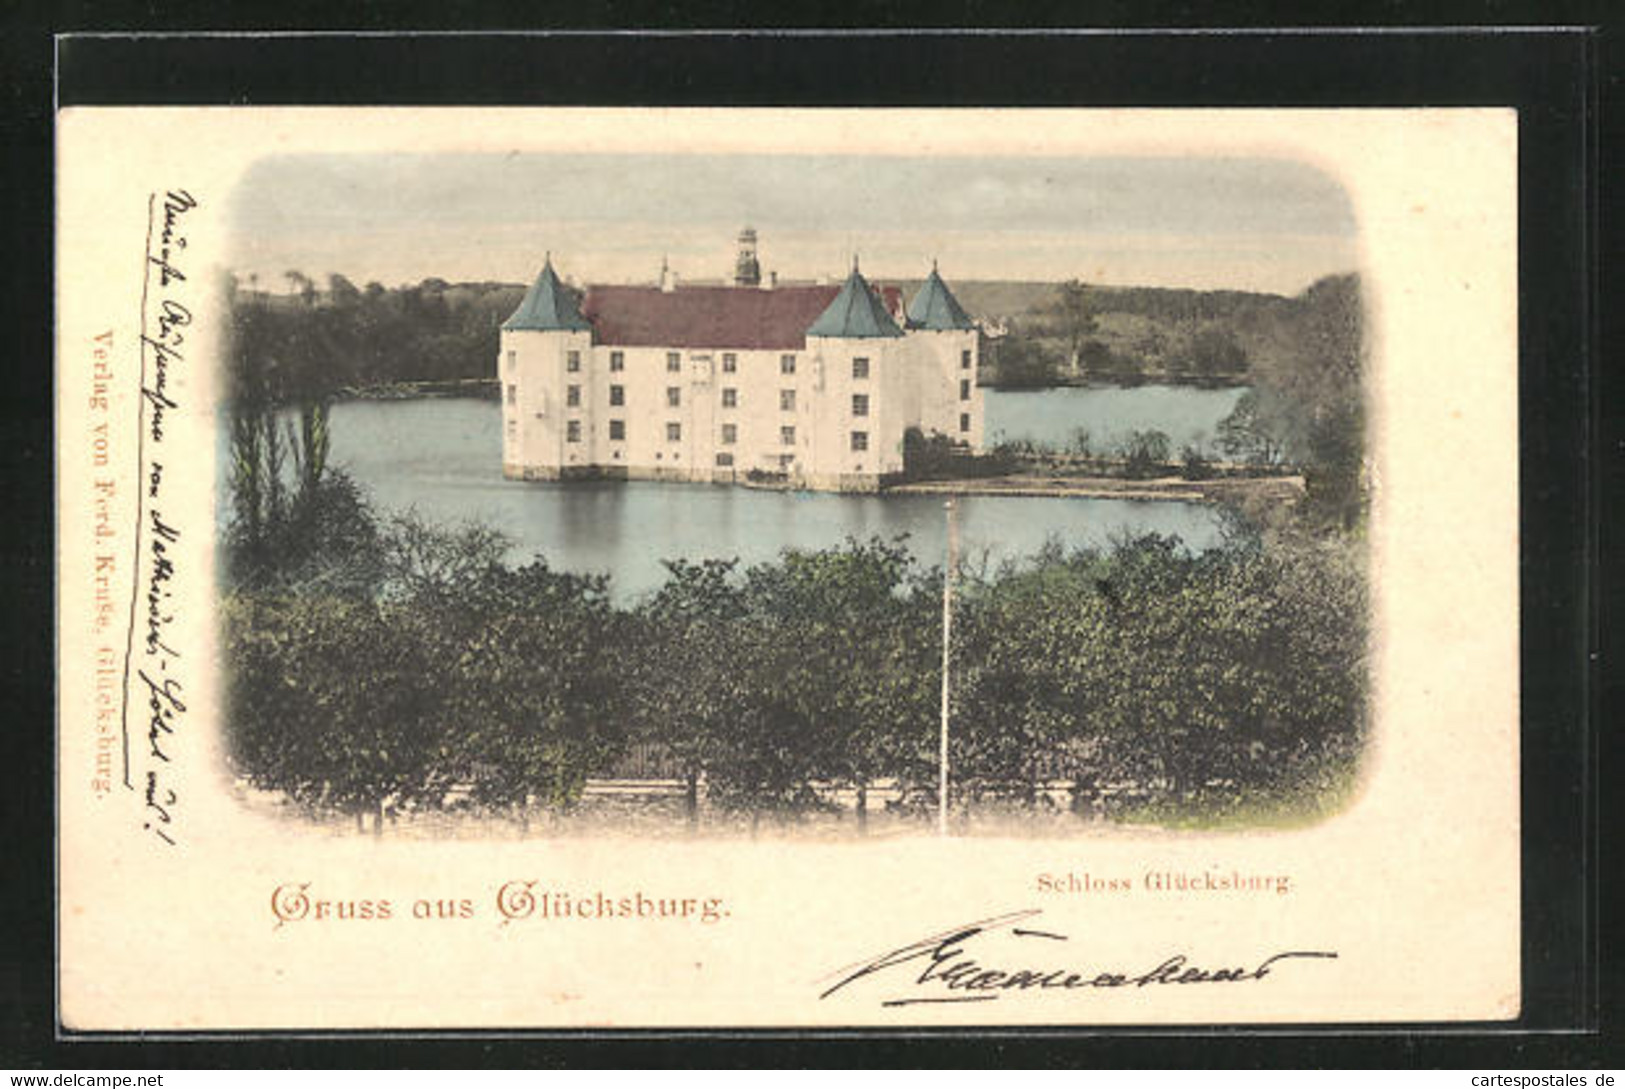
point(1118, 380)
point(1168, 488)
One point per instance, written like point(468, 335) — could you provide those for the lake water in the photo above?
point(443, 456)
point(1110, 414)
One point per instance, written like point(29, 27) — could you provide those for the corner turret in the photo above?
point(542, 366)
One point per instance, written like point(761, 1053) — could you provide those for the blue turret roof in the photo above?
point(856, 312)
point(935, 307)
point(548, 305)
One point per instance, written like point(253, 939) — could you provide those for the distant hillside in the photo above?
point(440, 331)
point(1018, 298)
point(1120, 334)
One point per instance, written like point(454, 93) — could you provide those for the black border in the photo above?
point(1553, 77)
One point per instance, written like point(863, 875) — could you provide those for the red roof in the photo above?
point(710, 317)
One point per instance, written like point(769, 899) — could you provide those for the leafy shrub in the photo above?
point(1144, 453)
point(1194, 464)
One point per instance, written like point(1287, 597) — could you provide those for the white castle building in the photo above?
point(815, 385)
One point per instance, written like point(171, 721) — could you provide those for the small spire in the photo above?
point(854, 261)
point(933, 264)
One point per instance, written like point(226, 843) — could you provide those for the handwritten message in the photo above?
point(154, 681)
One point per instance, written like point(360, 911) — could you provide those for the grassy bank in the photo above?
point(1228, 489)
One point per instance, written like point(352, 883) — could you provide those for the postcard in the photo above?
point(727, 568)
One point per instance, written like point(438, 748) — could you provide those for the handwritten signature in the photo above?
point(948, 973)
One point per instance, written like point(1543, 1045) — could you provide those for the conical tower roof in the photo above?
point(856, 312)
point(548, 305)
point(935, 307)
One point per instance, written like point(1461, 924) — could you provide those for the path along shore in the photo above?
point(1216, 490)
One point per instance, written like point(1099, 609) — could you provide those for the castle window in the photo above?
point(730, 362)
point(572, 431)
point(617, 395)
point(730, 434)
point(787, 400)
point(674, 396)
point(572, 396)
point(787, 436)
point(964, 421)
point(513, 430)
point(725, 460)
point(860, 367)
point(964, 360)
point(674, 431)
point(617, 431)
point(513, 359)
point(513, 394)
point(860, 441)
point(964, 389)
point(860, 404)
point(730, 398)
point(674, 361)
point(617, 361)
point(572, 361)
point(787, 364)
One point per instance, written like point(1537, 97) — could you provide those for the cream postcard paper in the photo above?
point(425, 785)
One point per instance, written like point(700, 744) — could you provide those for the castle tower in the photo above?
point(951, 403)
point(543, 369)
point(862, 403)
point(747, 270)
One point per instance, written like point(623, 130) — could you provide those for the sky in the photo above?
point(1241, 223)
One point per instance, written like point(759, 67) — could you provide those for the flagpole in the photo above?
point(947, 646)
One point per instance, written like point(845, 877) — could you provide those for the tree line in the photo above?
point(388, 660)
point(1091, 333)
point(312, 343)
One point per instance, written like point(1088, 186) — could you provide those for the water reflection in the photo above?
point(595, 512)
point(443, 457)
